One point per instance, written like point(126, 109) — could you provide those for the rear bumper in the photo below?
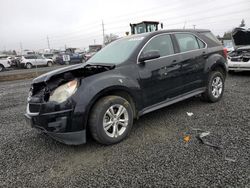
point(57, 125)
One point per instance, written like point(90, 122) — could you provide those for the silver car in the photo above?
point(30, 61)
point(239, 59)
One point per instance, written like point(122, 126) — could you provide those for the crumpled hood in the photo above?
point(241, 37)
point(88, 68)
point(45, 77)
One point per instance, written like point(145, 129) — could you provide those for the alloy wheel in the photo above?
point(115, 120)
point(217, 87)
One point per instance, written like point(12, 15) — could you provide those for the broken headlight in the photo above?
point(63, 92)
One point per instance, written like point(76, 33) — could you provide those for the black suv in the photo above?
point(125, 80)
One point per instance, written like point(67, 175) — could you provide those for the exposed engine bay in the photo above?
point(240, 55)
point(41, 90)
point(241, 41)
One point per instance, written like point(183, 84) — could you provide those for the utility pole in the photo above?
point(194, 26)
point(48, 41)
point(21, 48)
point(184, 26)
point(94, 41)
point(103, 35)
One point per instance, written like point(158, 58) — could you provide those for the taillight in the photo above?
point(225, 53)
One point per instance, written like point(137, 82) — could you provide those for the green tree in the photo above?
point(242, 23)
point(110, 38)
point(227, 35)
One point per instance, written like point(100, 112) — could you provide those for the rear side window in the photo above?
point(211, 37)
point(30, 57)
point(187, 42)
point(201, 44)
point(161, 43)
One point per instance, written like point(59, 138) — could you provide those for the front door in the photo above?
point(160, 78)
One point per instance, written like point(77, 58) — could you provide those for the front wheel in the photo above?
point(111, 120)
point(215, 87)
point(1, 68)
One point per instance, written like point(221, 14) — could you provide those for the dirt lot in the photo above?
point(154, 154)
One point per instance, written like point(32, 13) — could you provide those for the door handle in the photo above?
point(204, 54)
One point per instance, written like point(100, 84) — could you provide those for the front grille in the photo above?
point(34, 108)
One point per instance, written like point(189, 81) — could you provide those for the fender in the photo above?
point(93, 89)
point(213, 61)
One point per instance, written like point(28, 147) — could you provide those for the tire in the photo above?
point(215, 87)
point(49, 64)
point(1, 68)
point(117, 128)
point(28, 66)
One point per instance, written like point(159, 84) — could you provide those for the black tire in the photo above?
point(1, 68)
point(208, 95)
point(49, 64)
point(28, 66)
point(98, 115)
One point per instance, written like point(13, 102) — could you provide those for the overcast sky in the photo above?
point(78, 23)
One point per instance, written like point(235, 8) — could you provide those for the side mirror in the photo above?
point(149, 55)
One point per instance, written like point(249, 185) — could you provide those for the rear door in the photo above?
point(194, 54)
point(31, 59)
point(160, 78)
point(40, 60)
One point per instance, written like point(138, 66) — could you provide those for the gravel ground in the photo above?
point(154, 155)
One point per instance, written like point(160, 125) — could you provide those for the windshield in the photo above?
point(117, 52)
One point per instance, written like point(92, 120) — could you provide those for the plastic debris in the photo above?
point(196, 129)
point(230, 160)
point(190, 114)
point(187, 138)
point(201, 137)
point(203, 134)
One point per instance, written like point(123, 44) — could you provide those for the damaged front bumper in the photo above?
point(57, 124)
point(238, 65)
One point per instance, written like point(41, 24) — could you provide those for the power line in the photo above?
point(153, 10)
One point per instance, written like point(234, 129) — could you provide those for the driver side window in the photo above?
point(161, 43)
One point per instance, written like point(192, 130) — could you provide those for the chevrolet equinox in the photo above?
point(128, 78)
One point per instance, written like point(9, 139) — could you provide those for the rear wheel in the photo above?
point(215, 87)
point(49, 64)
point(111, 120)
point(28, 66)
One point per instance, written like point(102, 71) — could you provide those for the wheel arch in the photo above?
point(216, 62)
point(220, 67)
point(117, 91)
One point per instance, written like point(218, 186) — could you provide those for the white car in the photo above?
point(239, 59)
point(4, 62)
point(30, 61)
